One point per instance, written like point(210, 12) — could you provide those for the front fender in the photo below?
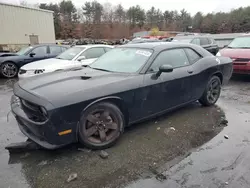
point(102, 99)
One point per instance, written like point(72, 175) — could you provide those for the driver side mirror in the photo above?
point(164, 68)
point(32, 54)
point(81, 58)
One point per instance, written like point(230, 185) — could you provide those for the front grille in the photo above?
point(21, 71)
point(242, 60)
point(33, 111)
point(240, 63)
point(241, 71)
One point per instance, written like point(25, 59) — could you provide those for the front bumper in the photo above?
point(45, 134)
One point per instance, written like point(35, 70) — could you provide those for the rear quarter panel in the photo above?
point(202, 72)
point(226, 68)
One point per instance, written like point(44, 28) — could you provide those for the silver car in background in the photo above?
point(74, 57)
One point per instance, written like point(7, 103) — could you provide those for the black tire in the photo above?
point(8, 73)
point(98, 119)
point(212, 92)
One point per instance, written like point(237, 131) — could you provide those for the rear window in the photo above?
point(182, 40)
point(192, 55)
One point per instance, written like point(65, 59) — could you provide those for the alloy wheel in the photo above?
point(213, 91)
point(101, 126)
point(9, 70)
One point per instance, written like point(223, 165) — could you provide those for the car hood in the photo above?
point(11, 58)
point(235, 53)
point(6, 54)
point(52, 63)
point(64, 87)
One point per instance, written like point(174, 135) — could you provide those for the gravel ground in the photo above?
point(185, 148)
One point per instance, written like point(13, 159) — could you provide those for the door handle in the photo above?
point(190, 71)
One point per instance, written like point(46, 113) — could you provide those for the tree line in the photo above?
point(100, 21)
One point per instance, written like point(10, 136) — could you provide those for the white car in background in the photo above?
point(74, 57)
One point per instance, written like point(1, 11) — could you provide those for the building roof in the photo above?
point(31, 8)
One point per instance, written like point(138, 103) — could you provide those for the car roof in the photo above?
point(192, 36)
point(242, 36)
point(93, 45)
point(37, 45)
point(158, 46)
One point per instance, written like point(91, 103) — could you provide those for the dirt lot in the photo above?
point(185, 148)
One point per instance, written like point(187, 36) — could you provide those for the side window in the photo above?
point(204, 41)
point(196, 41)
point(93, 53)
point(176, 58)
point(40, 51)
point(108, 49)
point(55, 50)
point(192, 55)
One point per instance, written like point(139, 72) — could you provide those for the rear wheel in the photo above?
point(8, 70)
point(101, 126)
point(212, 92)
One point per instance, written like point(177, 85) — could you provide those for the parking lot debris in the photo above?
point(224, 121)
point(172, 128)
point(22, 146)
point(161, 177)
point(25, 155)
point(42, 163)
point(168, 130)
point(72, 177)
point(226, 137)
point(84, 150)
point(103, 154)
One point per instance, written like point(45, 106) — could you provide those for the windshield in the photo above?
point(127, 60)
point(241, 42)
point(70, 53)
point(24, 50)
point(182, 40)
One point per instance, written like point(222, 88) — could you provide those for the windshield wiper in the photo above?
point(97, 68)
point(101, 69)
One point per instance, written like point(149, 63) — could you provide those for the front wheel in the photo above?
point(101, 125)
point(212, 92)
point(8, 70)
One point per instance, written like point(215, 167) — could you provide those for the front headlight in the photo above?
point(44, 111)
point(218, 54)
point(15, 100)
point(39, 71)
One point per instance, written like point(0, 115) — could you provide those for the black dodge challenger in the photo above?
point(128, 84)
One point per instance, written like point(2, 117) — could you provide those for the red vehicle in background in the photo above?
point(239, 51)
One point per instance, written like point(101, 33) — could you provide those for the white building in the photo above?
point(21, 26)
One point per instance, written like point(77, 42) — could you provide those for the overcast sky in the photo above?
point(191, 6)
